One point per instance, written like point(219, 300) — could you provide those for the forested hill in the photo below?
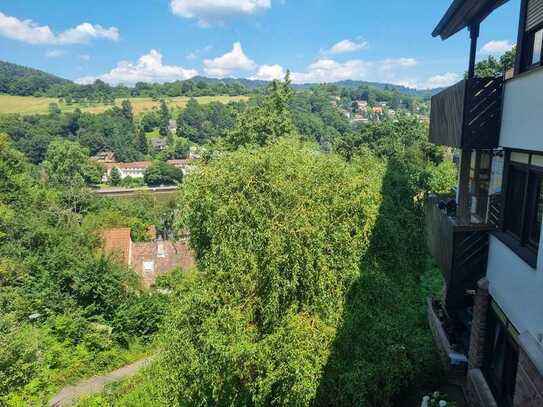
point(350, 84)
point(24, 81)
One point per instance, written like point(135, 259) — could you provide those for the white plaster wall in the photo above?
point(517, 287)
point(522, 120)
point(131, 173)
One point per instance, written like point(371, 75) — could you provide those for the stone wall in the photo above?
point(479, 325)
point(476, 389)
point(529, 385)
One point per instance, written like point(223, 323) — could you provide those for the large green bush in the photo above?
point(293, 305)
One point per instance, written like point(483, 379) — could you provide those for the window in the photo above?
point(501, 356)
point(524, 199)
point(148, 266)
point(479, 184)
point(537, 42)
point(515, 200)
point(535, 210)
point(533, 45)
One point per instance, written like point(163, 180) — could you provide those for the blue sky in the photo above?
point(123, 41)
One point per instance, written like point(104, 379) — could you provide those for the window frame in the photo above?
point(520, 244)
point(527, 55)
point(496, 319)
point(476, 180)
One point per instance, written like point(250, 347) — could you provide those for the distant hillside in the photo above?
point(349, 84)
point(387, 86)
point(22, 81)
point(248, 83)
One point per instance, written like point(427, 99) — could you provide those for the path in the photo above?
point(69, 394)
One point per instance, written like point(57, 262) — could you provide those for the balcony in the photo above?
point(459, 248)
point(468, 115)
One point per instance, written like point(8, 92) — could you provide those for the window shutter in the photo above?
point(534, 14)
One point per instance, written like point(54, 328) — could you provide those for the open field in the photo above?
point(32, 105)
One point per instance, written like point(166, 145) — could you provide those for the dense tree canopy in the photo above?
point(162, 173)
point(265, 122)
point(66, 311)
point(308, 291)
point(68, 164)
point(205, 123)
point(492, 66)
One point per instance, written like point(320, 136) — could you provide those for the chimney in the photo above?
point(151, 232)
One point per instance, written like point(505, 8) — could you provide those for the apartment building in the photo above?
point(486, 240)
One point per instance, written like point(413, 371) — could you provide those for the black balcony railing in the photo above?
point(459, 248)
point(468, 115)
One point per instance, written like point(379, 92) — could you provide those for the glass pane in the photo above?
point(538, 41)
point(535, 227)
point(515, 199)
point(537, 160)
point(486, 159)
point(520, 157)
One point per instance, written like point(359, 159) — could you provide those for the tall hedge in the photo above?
point(289, 285)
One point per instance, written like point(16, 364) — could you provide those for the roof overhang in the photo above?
point(463, 13)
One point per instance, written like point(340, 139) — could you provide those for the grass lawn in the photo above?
point(153, 134)
point(32, 105)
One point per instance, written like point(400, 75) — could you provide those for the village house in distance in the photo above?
point(487, 239)
point(148, 259)
point(136, 169)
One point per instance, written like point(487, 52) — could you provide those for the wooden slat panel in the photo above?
point(447, 115)
point(459, 249)
point(534, 14)
point(439, 232)
point(483, 113)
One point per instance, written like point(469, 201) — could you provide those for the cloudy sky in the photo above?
point(126, 41)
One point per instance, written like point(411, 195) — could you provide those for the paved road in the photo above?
point(69, 394)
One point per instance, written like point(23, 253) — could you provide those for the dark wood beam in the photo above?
point(463, 13)
point(474, 35)
point(520, 35)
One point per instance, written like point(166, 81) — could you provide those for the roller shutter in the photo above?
point(534, 14)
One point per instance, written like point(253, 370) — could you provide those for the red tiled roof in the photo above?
point(117, 242)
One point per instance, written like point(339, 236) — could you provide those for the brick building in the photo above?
point(148, 259)
point(486, 239)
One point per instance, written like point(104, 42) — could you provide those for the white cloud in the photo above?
point(329, 70)
point(85, 57)
point(346, 46)
point(392, 63)
point(148, 68)
point(229, 63)
point(269, 73)
point(497, 47)
point(439, 81)
point(85, 32)
point(32, 33)
point(54, 53)
point(204, 10)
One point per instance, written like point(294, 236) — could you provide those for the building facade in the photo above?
point(486, 240)
point(148, 259)
point(137, 169)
